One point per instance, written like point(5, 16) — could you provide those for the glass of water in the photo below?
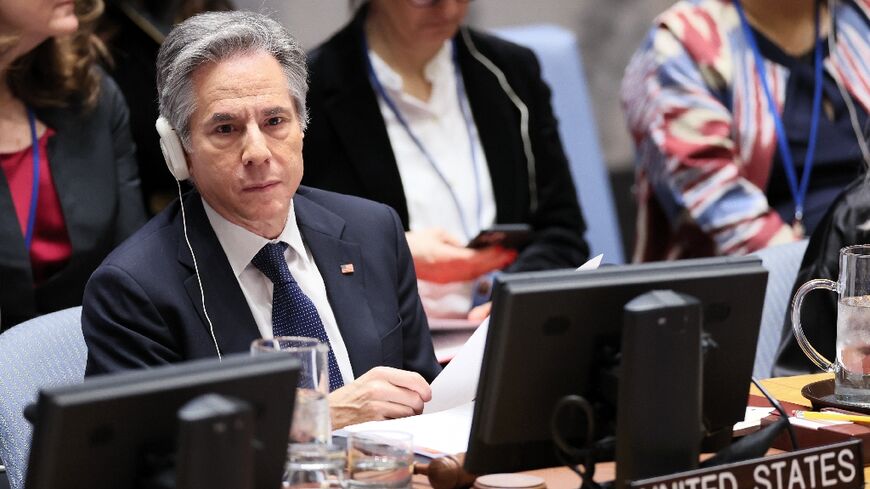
point(314, 465)
point(311, 423)
point(380, 459)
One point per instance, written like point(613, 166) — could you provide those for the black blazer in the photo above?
point(347, 148)
point(93, 165)
point(142, 306)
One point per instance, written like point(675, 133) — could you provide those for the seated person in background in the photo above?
point(847, 223)
point(133, 30)
point(406, 111)
point(733, 158)
point(69, 188)
point(200, 284)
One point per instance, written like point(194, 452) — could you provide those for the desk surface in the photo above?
point(782, 388)
point(789, 388)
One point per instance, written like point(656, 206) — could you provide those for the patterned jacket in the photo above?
point(704, 137)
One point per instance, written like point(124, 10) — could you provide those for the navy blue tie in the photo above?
point(293, 313)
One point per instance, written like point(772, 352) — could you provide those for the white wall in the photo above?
point(608, 31)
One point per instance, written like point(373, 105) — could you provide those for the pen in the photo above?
point(832, 416)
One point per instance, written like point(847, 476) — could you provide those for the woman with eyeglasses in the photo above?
point(409, 110)
point(69, 186)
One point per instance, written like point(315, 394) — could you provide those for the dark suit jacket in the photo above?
point(142, 306)
point(347, 148)
point(844, 224)
point(92, 161)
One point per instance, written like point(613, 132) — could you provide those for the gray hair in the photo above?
point(212, 37)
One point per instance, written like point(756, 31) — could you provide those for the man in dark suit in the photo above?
point(249, 253)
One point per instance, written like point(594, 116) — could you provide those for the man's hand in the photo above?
point(440, 257)
point(381, 393)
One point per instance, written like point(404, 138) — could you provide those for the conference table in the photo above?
point(782, 388)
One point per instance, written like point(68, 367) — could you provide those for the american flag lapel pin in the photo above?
point(347, 268)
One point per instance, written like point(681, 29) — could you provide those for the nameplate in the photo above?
point(829, 466)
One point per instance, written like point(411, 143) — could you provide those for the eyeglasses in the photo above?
point(430, 3)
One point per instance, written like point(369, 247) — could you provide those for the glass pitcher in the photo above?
point(851, 367)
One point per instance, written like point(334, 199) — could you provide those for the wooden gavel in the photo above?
point(446, 472)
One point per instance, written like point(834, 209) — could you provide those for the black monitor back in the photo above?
point(552, 334)
point(98, 434)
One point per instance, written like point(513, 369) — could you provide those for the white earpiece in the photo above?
point(173, 152)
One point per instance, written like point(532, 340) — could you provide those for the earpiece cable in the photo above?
point(196, 269)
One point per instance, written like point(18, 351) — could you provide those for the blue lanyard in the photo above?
point(466, 113)
point(798, 192)
point(34, 193)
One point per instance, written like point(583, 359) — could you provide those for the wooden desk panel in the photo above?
point(789, 389)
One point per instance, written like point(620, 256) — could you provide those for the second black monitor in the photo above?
point(114, 430)
point(558, 333)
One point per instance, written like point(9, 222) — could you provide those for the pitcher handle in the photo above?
point(811, 353)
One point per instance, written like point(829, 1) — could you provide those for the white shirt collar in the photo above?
point(241, 245)
point(440, 66)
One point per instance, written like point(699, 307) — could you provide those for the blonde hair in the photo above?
point(60, 72)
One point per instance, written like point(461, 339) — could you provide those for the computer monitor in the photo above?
point(103, 432)
point(557, 333)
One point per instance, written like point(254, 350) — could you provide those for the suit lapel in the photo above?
point(321, 230)
point(234, 326)
point(75, 175)
point(497, 122)
point(16, 278)
point(370, 152)
point(350, 103)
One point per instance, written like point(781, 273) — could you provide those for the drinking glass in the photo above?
point(851, 367)
point(311, 421)
point(314, 465)
point(383, 459)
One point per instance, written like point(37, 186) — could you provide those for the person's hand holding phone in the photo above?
point(442, 258)
point(481, 312)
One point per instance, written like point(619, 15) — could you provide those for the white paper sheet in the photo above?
point(457, 383)
point(436, 434)
point(752, 420)
point(592, 263)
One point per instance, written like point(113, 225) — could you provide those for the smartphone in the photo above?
point(504, 235)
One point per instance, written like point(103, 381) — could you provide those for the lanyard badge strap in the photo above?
point(466, 114)
point(798, 189)
point(34, 193)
